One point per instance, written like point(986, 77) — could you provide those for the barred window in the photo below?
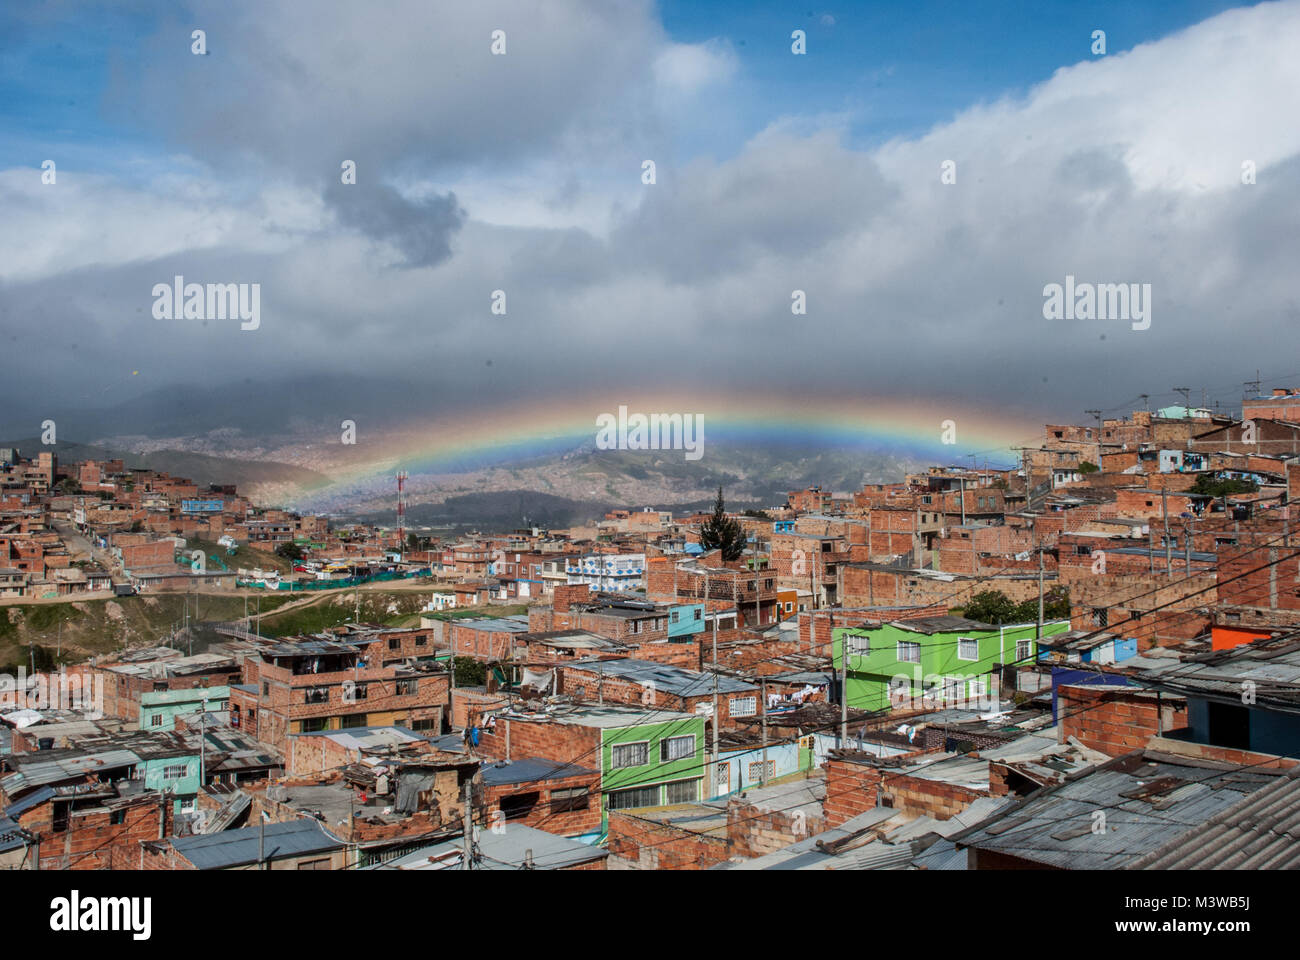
point(682, 791)
point(636, 797)
point(967, 649)
point(676, 748)
point(909, 652)
point(630, 754)
point(756, 770)
point(177, 772)
point(570, 798)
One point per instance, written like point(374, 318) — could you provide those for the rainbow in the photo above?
point(512, 432)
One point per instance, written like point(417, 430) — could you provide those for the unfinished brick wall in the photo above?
point(547, 813)
point(91, 841)
point(1116, 720)
point(754, 833)
point(650, 845)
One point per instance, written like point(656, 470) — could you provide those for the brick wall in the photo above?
point(1116, 720)
point(651, 845)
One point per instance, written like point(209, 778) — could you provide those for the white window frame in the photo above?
point(669, 740)
point(960, 641)
point(733, 711)
point(613, 754)
point(170, 774)
point(912, 645)
point(1029, 647)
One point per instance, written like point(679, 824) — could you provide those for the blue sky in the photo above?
point(898, 68)
point(888, 69)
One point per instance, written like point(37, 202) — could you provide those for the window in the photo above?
point(968, 648)
point(682, 791)
point(569, 799)
point(756, 770)
point(352, 691)
point(188, 805)
point(176, 772)
point(321, 864)
point(353, 720)
point(637, 797)
point(266, 688)
point(1100, 617)
point(909, 652)
point(676, 748)
point(1024, 650)
point(519, 805)
point(155, 720)
point(315, 724)
point(394, 643)
point(859, 646)
point(316, 695)
point(117, 817)
point(406, 688)
point(742, 706)
point(676, 616)
point(426, 723)
point(699, 614)
point(630, 754)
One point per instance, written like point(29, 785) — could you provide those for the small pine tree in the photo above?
point(724, 533)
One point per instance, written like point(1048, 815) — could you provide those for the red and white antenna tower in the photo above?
point(401, 509)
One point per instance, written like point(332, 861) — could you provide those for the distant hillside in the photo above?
point(199, 467)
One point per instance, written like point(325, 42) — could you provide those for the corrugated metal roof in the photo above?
point(41, 771)
point(1261, 832)
point(233, 848)
point(1055, 826)
point(26, 803)
point(529, 769)
point(670, 679)
point(506, 850)
point(11, 836)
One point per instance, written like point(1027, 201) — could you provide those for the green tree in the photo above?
point(1056, 606)
point(289, 551)
point(1226, 487)
point(991, 606)
point(470, 672)
point(724, 533)
point(1086, 467)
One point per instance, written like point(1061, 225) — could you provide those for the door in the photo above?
point(722, 779)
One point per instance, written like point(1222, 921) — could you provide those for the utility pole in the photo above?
point(1164, 509)
point(1039, 635)
point(468, 824)
point(844, 685)
point(961, 480)
point(714, 719)
point(762, 775)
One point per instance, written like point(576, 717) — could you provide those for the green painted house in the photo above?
point(159, 710)
point(648, 758)
point(943, 660)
